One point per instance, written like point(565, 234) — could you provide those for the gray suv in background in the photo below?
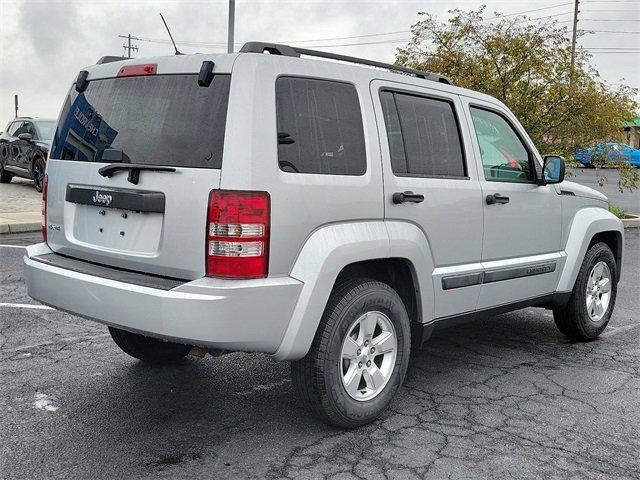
point(328, 213)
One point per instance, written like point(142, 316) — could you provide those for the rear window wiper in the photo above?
point(134, 170)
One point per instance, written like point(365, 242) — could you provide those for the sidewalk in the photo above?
point(19, 207)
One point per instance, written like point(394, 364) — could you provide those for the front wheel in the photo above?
point(587, 313)
point(147, 349)
point(38, 173)
point(5, 177)
point(359, 355)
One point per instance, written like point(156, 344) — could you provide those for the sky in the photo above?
point(44, 43)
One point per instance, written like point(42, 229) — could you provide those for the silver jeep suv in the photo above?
point(330, 213)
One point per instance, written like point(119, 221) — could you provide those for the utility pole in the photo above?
point(232, 13)
point(128, 48)
point(15, 101)
point(575, 36)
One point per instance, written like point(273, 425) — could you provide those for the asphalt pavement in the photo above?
point(506, 397)
point(589, 177)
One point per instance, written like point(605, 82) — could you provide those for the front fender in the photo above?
point(586, 223)
point(331, 248)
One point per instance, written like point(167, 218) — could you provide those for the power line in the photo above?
point(345, 38)
point(530, 11)
point(608, 20)
point(401, 40)
point(328, 39)
point(610, 31)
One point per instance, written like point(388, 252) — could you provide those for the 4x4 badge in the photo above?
point(102, 198)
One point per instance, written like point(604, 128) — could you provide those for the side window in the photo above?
point(29, 128)
point(13, 127)
point(504, 156)
point(319, 127)
point(423, 135)
point(23, 128)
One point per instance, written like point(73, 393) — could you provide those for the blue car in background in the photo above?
point(616, 152)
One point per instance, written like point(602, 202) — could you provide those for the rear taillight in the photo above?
point(238, 234)
point(45, 191)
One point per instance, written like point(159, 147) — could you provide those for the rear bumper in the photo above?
point(248, 315)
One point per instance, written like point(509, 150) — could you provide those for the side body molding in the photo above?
point(326, 252)
point(586, 223)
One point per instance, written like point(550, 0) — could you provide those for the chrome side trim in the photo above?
point(497, 270)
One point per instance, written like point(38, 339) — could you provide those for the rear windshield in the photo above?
point(153, 120)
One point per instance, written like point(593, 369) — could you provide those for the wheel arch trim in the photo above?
point(586, 224)
point(332, 248)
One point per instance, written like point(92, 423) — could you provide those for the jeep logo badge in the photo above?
point(102, 199)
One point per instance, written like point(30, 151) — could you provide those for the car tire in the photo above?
point(5, 177)
point(587, 313)
point(37, 172)
point(361, 315)
point(147, 349)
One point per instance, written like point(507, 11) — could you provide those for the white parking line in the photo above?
point(14, 246)
point(25, 305)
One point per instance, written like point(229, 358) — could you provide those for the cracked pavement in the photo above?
point(506, 397)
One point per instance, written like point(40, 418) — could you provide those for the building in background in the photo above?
point(632, 132)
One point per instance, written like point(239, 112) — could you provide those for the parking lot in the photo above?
point(507, 397)
point(628, 201)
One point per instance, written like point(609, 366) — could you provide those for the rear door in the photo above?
point(424, 147)
point(156, 222)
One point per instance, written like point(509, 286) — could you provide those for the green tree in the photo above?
point(526, 64)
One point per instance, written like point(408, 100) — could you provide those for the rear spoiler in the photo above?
point(109, 59)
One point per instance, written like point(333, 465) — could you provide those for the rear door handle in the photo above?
point(407, 197)
point(496, 198)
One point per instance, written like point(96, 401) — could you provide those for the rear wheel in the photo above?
point(38, 173)
point(359, 355)
point(147, 349)
point(587, 313)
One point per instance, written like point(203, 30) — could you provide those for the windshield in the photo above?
point(46, 129)
point(153, 120)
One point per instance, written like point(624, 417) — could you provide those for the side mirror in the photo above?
point(27, 137)
point(553, 169)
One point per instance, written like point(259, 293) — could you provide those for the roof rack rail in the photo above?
point(289, 51)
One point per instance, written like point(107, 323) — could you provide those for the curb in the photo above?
point(20, 222)
point(20, 227)
point(633, 222)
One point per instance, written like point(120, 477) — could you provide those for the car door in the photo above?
point(522, 218)
point(424, 149)
point(20, 148)
point(25, 147)
point(12, 144)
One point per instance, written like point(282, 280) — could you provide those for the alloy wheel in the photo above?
point(598, 291)
point(368, 355)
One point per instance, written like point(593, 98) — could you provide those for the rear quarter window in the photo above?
point(320, 127)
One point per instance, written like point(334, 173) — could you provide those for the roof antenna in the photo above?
point(170, 36)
